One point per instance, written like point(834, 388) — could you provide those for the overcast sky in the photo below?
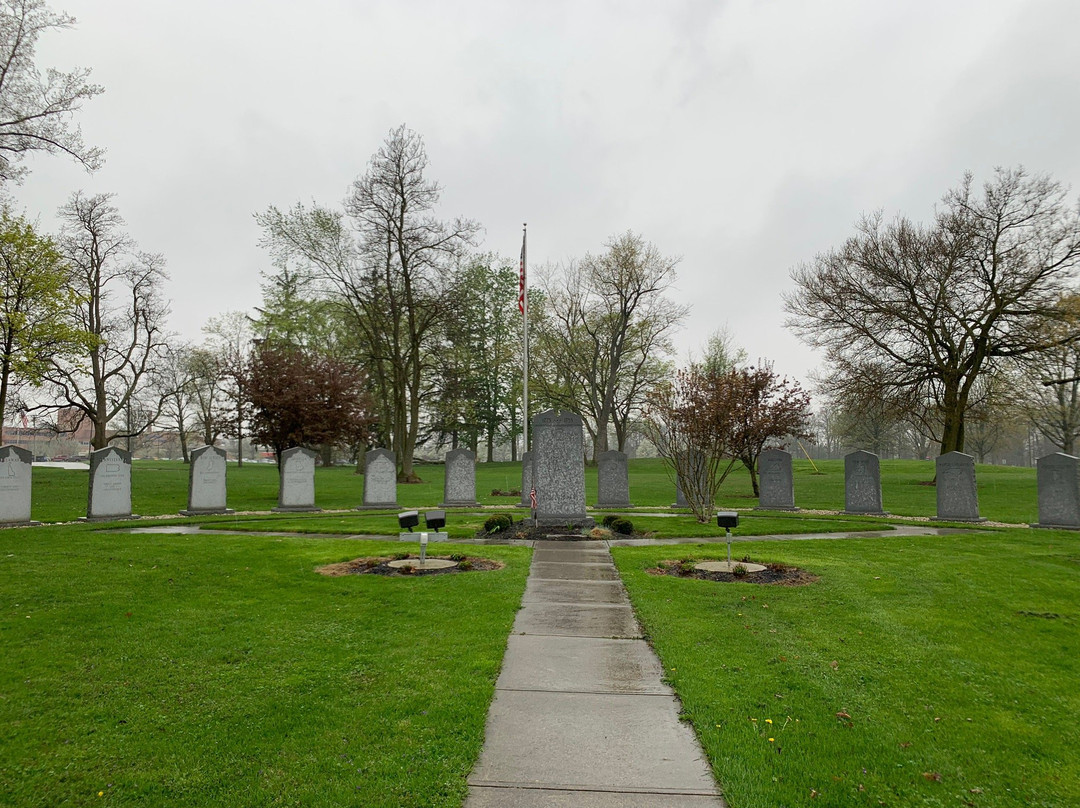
point(743, 136)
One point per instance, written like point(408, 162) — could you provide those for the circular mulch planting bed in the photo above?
point(775, 574)
point(380, 565)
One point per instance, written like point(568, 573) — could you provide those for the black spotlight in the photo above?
point(727, 519)
point(407, 520)
point(436, 520)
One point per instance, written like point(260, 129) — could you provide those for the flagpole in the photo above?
point(525, 340)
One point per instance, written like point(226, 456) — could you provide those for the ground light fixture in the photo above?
point(435, 520)
point(407, 520)
point(727, 520)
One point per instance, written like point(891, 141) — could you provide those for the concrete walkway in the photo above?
point(581, 718)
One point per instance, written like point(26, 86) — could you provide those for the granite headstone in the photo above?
point(612, 480)
point(957, 497)
point(695, 465)
point(776, 481)
point(1059, 491)
point(459, 485)
point(559, 459)
point(109, 493)
point(206, 482)
point(862, 484)
point(380, 479)
point(297, 490)
point(16, 466)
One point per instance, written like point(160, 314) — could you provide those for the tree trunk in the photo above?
point(751, 467)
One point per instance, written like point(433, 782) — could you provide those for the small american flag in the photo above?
point(25, 422)
point(532, 499)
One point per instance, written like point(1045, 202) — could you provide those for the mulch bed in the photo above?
point(381, 566)
point(521, 533)
point(774, 574)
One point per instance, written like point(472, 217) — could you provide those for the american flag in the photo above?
point(532, 499)
point(521, 278)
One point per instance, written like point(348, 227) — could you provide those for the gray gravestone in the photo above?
point(380, 479)
point(528, 472)
point(16, 466)
point(695, 462)
point(776, 481)
point(1059, 491)
point(680, 497)
point(612, 480)
point(862, 483)
point(559, 469)
point(459, 486)
point(206, 482)
point(109, 495)
point(297, 489)
point(957, 498)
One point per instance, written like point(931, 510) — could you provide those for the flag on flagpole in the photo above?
point(521, 279)
point(25, 421)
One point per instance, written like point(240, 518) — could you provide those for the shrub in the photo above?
point(608, 519)
point(497, 523)
point(459, 557)
point(406, 569)
point(687, 566)
point(399, 555)
point(739, 571)
point(465, 566)
point(623, 526)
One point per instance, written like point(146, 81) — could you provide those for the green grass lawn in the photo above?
point(957, 659)
point(223, 671)
point(1006, 493)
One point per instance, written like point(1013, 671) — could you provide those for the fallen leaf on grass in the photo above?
point(933, 777)
point(976, 790)
point(834, 664)
point(843, 716)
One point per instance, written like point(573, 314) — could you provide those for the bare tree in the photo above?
point(173, 380)
point(230, 344)
point(208, 383)
point(121, 307)
point(934, 307)
point(389, 271)
point(1052, 382)
point(36, 111)
point(604, 333)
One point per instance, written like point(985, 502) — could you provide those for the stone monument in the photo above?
point(776, 481)
point(612, 480)
point(380, 479)
point(957, 497)
point(862, 484)
point(297, 490)
point(559, 470)
point(206, 482)
point(109, 493)
point(459, 485)
point(1059, 491)
point(16, 466)
point(528, 474)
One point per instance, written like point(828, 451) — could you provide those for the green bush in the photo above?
point(608, 519)
point(497, 523)
point(623, 526)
